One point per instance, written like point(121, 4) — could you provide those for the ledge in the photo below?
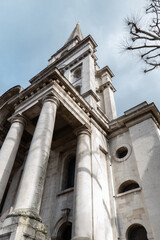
point(128, 192)
point(68, 190)
point(93, 94)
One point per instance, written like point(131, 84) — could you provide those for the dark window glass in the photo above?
point(127, 186)
point(71, 173)
point(68, 173)
point(121, 152)
point(137, 232)
point(130, 187)
point(65, 232)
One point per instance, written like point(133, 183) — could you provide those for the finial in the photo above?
point(76, 32)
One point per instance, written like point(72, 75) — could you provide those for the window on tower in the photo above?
point(77, 73)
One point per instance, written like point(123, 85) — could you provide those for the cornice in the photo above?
point(93, 94)
point(65, 46)
point(91, 112)
point(134, 116)
point(104, 86)
point(81, 42)
point(10, 94)
point(51, 81)
point(102, 113)
point(77, 60)
point(103, 70)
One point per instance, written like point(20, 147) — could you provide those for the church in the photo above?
point(70, 169)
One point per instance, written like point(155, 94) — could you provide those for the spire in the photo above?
point(76, 32)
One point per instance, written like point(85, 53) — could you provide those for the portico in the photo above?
point(44, 118)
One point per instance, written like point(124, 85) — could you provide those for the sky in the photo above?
point(33, 30)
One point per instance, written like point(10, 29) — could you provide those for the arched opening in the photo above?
point(77, 73)
point(65, 231)
point(127, 186)
point(69, 173)
point(137, 232)
point(121, 152)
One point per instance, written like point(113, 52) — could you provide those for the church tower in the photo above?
point(69, 168)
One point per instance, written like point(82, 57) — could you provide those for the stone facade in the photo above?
point(70, 169)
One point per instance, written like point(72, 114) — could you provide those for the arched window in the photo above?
point(77, 73)
point(137, 232)
point(65, 231)
point(127, 186)
point(69, 173)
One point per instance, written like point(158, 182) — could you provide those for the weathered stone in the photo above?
point(40, 236)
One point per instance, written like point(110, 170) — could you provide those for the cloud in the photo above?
point(31, 31)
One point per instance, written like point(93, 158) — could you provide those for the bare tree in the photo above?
point(145, 39)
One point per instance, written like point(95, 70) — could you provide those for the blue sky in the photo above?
point(32, 30)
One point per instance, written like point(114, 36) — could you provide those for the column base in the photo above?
point(81, 238)
point(23, 228)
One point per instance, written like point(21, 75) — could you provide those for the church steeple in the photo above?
point(75, 37)
point(76, 32)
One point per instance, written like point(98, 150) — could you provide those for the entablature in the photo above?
point(56, 83)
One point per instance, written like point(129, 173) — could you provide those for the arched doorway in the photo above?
point(65, 231)
point(137, 232)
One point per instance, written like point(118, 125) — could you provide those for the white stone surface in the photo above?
point(8, 152)
point(31, 187)
point(109, 102)
point(146, 144)
point(82, 205)
point(102, 214)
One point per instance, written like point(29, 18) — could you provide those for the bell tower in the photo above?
point(78, 62)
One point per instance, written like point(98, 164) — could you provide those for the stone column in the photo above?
point(82, 206)
point(9, 150)
point(108, 93)
point(109, 102)
point(31, 186)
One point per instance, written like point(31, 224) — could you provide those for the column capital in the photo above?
point(18, 118)
point(82, 130)
point(51, 98)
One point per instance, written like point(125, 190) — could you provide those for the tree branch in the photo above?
point(146, 40)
